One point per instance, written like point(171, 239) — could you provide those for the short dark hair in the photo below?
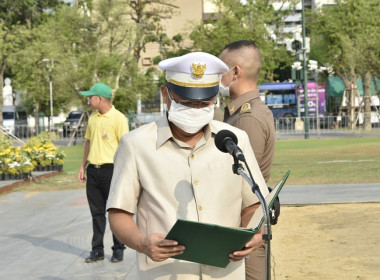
point(239, 44)
point(251, 62)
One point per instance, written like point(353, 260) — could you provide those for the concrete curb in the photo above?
point(8, 186)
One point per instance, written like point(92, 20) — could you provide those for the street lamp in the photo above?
point(297, 75)
point(306, 101)
point(50, 66)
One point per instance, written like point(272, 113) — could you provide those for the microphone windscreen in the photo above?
point(221, 137)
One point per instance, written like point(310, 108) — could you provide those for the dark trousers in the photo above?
point(97, 189)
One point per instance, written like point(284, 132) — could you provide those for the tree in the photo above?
point(350, 31)
point(17, 16)
point(251, 21)
point(114, 32)
point(97, 41)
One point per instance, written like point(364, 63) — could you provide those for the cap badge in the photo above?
point(198, 70)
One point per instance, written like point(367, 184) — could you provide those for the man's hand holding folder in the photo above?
point(156, 247)
point(216, 245)
point(255, 242)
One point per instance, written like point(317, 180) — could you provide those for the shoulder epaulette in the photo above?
point(245, 108)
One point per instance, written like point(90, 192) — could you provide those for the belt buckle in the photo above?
point(97, 166)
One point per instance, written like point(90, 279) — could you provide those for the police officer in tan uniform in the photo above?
point(171, 169)
point(249, 113)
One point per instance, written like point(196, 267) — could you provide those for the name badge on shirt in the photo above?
point(105, 136)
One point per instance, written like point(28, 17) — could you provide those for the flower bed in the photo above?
point(38, 154)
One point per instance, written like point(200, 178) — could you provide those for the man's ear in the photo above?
point(237, 70)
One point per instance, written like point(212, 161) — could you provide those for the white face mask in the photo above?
point(188, 119)
point(225, 90)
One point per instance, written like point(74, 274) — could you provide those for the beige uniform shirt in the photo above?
point(162, 179)
point(250, 114)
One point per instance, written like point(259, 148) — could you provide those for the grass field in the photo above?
point(327, 161)
point(319, 161)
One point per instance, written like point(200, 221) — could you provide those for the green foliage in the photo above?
point(95, 41)
point(5, 142)
point(136, 85)
point(17, 20)
point(104, 41)
point(29, 13)
point(236, 21)
point(348, 33)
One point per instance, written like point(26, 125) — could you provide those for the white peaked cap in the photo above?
point(194, 75)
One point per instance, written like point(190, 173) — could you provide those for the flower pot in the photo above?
point(24, 176)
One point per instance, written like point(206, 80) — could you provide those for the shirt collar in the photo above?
point(164, 132)
point(238, 102)
point(106, 114)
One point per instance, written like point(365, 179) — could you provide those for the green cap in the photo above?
point(99, 89)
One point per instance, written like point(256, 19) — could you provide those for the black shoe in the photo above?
point(95, 256)
point(117, 255)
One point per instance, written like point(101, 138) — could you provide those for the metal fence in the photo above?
point(285, 127)
point(320, 126)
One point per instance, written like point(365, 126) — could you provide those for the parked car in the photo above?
point(15, 120)
point(73, 122)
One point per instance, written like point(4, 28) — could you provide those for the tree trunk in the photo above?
point(353, 95)
point(37, 120)
point(367, 101)
point(351, 90)
point(2, 69)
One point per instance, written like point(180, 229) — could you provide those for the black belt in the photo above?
point(97, 166)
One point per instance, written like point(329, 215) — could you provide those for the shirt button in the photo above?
point(200, 207)
point(196, 182)
point(192, 156)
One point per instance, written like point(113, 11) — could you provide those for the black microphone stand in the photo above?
point(267, 236)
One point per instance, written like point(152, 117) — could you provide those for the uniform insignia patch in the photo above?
point(232, 109)
point(245, 107)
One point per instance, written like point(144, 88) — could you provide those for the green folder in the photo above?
point(211, 244)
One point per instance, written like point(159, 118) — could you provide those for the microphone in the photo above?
point(226, 141)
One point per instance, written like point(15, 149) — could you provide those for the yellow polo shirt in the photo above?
point(104, 132)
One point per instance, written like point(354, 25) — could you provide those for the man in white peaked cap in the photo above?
point(171, 169)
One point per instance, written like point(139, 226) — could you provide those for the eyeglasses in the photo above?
point(193, 103)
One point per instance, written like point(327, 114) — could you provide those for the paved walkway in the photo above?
point(322, 194)
point(47, 235)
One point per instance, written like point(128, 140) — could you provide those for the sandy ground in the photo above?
point(337, 241)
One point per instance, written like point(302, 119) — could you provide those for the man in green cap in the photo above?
point(105, 128)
